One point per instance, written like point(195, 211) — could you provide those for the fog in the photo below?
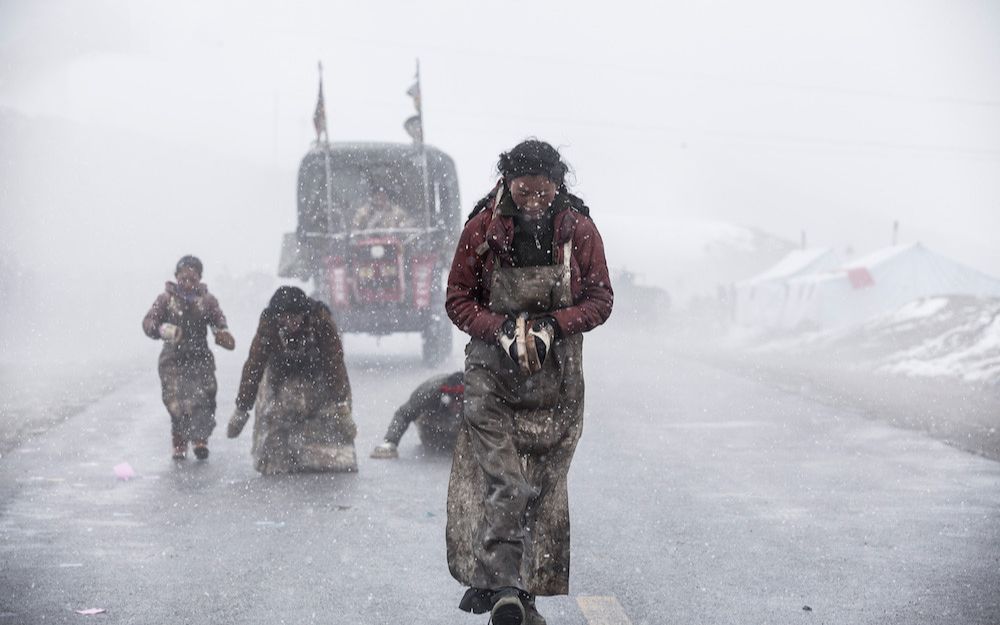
point(135, 133)
point(799, 427)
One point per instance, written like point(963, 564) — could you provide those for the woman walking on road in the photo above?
point(181, 317)
point(528, 278)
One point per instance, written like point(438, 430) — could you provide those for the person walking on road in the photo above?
point(181, 317)
point(529, 277)
point(296, 376)
point(436, 408)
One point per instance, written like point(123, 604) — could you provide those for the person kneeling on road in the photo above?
point(295, 374)
point(436, 408)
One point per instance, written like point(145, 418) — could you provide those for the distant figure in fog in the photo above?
point(380, 212)
point(436, 408)
point(295, 374)
point(181, 317)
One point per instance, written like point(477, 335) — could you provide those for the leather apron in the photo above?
point(508, 510)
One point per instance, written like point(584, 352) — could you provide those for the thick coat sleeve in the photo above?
point(253, 368)
point(465, 300)
point(401, 420)
point(156, 315)
point(424, 401)
point(215, 315)
point(593, 305)
point(333, 353)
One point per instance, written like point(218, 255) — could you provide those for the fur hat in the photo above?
point(289, 299)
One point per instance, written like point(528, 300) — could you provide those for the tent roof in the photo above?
point(868, 261)
point(944, 268)
point(793, 264)
point(880, 256)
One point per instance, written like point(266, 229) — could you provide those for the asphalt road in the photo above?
point(698, 497)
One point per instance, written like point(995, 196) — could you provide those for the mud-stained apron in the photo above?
point(298, 426)
point(508, 509)
point(438, 430)
point(187, 372)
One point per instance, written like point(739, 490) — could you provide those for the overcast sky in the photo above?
point(832, 117)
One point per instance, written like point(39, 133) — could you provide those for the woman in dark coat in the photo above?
point(528, 278)
point(295, 374)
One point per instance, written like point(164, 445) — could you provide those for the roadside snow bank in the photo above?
point(950, 337)
point(969, 350)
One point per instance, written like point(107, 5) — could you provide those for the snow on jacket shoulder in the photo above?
point(207, 304)
point(267, 344)
point(487, 238)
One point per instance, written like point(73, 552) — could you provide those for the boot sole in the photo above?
point(508, 611)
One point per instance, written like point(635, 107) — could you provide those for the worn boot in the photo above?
point(531, 615)
point(507, 607)
point(201, 450)
point(180, 447)
point(476, 600)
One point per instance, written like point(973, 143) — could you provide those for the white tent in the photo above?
point(761, 299)
point(878, 283)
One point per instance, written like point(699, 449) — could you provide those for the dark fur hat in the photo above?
point(289, 299)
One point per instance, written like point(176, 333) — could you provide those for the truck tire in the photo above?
point(436, 340)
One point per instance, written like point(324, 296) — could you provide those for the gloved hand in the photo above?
point(538, 340)
point(170, 333)
point(225, 340)
point(508, 338)
point(236, 422)
point(385, 451)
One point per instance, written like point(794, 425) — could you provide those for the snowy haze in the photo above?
point(136, 132)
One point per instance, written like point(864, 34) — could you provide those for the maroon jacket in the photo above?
point(193, 315)
point(487, 238)
point(327, 372)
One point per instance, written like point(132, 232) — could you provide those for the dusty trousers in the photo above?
point(188, 385)
point(508, 510)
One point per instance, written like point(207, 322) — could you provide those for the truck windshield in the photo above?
point(388, 195)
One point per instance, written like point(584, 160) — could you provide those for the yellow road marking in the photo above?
point(602, 611)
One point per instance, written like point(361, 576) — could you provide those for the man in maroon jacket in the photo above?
point(528, 278)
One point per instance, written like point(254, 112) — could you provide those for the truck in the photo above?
point(376, 230)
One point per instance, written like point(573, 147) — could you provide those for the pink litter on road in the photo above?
point(91, 611)
point(124, 471)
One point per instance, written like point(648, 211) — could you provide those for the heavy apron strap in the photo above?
point(567, 270)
